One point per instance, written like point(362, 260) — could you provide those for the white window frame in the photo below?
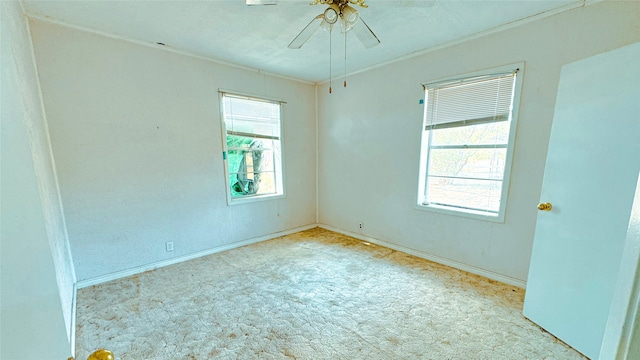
point(278, 166)
point(518, 68)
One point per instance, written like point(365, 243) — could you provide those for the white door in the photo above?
point(590, 179)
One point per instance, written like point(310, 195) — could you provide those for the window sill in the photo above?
point(252, 199)
point(473, 214)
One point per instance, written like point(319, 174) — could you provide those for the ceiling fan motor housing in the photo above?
point(340, 3)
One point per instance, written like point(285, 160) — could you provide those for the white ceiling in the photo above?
point(257, 36)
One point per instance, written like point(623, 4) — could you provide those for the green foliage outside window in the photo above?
point(244, 181)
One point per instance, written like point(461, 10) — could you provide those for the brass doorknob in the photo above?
point(101, 354)
point(545, 206)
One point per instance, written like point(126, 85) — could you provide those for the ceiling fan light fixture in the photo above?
point(350, 17)
point(331, 14)
point(350, 14)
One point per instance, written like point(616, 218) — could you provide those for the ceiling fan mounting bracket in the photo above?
point(340, 3)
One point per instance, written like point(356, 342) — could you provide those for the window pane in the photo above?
point(261, 183)
point(253, 145)
point(470, 194)
point(465, 141)
point(250, 161)
point(267, 183)
point(234, 141)
point(262, 153)
point(473, 163)
point(235, 188)
point(267, 161)
point(491, 133)
point(245, 167)
point(251, 171)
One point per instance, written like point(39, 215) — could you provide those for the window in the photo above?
point(467, 142)
point(253, 148)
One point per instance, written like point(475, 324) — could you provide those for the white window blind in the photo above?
point(486, 99)
point(467, 143)
point(251, 117)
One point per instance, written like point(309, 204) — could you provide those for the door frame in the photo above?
point(619, 334)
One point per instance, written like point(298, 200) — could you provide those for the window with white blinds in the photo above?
point(252, 153)
point(485, 99)
point(467, 143)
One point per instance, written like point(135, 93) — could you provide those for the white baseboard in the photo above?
point(444, 261)
point(440, 260)
point(140, 269)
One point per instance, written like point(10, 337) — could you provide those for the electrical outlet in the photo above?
point(360, 226)
point(169, 246)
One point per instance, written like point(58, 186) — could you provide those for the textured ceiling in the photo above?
point(257, 36)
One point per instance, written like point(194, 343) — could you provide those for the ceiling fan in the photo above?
point(348, 17)
point(341, 11)
point(337, 11)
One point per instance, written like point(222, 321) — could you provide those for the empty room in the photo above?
point(292, 179)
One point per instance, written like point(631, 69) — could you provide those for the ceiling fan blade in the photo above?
point(364, 33)
point(260, 2)
point(306, 33)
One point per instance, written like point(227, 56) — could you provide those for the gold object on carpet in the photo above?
point(310, 295)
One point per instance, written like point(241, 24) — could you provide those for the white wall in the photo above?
point(136, 136)
point(369, 139)
point(37, 279)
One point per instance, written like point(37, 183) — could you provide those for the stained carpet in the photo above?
point(311, 295)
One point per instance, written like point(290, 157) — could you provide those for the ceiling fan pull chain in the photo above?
point(330, 36)
point(345, 59)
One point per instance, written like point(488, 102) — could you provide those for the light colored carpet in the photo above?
point(310, 295)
